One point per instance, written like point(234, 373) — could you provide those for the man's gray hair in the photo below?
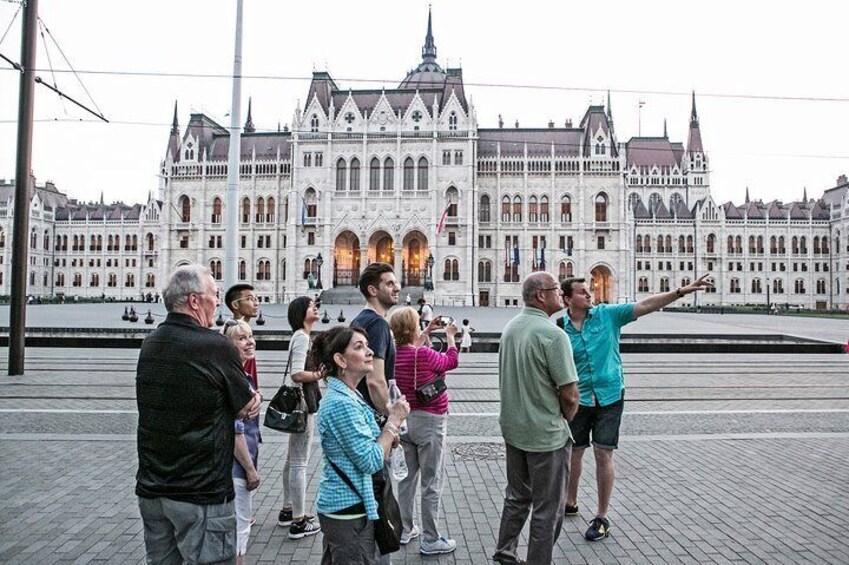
point(183, 281)
point(534, 283)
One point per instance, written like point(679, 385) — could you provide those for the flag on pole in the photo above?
point(441, 225)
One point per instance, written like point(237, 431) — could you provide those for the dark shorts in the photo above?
point(599, 423)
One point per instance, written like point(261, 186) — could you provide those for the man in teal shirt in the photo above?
point(594, 334)
point(536, 378)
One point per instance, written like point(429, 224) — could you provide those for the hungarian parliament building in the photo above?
point(407, 176)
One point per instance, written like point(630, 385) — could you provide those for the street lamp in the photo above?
point(429, 278)
point(768, 305)
point(319, 262)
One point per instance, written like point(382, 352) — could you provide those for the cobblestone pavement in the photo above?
point(722, 460)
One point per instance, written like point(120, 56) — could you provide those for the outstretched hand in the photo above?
point(700, 283)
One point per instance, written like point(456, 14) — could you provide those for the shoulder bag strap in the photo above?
point(289, 362)
point(416, 368)
point(344, 477)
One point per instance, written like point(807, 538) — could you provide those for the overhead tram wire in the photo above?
point(376, 81)
point(490, 140)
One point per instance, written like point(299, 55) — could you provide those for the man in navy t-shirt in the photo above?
point(380, 289)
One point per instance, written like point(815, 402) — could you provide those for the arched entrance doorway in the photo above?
point(346, 259)
point(381, 248)
point(601, 284)
point(414, 259)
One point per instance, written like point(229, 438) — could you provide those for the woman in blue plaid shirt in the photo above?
point(351, 439)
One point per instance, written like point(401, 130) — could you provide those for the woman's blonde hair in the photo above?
point(230, 328)
point(403, 324)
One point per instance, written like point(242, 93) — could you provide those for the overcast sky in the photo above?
point(654, 51)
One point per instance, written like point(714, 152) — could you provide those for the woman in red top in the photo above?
point(420, 368)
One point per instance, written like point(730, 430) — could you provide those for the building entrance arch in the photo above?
point(381, 248)
point(346, 259)
point(601, 284)
point(414, 258)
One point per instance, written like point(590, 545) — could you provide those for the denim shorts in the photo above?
point(601, 423)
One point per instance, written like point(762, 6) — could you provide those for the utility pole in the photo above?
point(231, 204)
point(23, 191)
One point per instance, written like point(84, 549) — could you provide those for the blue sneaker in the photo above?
point(599, 529)
point(438, 546)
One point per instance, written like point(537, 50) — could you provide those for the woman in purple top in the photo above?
point(246, 478)
point(416, 367)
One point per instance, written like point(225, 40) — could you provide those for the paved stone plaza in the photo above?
point(723, 459)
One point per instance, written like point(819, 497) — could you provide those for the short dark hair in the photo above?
point(233, 293)
point(566, 285)
point(329, 343)
point(371, 276)
point(297, 312)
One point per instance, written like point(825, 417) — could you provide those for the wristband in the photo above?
point(679, 293)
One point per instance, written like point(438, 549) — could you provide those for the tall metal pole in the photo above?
point(23, 191)
point(231, 204)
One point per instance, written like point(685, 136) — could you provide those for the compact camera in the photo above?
point(445, 321)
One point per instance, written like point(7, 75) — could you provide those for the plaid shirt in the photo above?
point(348, 432)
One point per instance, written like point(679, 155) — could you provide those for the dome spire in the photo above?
point(429, 49)
point(175, 126)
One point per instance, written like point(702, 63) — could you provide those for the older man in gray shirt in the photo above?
point(539, 394)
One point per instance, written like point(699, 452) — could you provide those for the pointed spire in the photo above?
point(101, 198)
point(665, 135)
point(747, 195)
point(694, 116)
point(609, 109)
point(805, 194)
point(429, 49)
point(249, 123)
point(175, 127)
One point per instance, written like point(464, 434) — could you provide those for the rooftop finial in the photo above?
point(429, 49)
point(609, 108)
point(664, 129)
point(175, 127)
point(747, 195)
point(249, 123)
point(805, 194)
point(694, 116)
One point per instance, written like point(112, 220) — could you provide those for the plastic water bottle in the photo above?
point(398, 463)
point(395, 394)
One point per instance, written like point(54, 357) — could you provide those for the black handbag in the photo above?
point(387, 527)
point(431, 389)
point(287, 411)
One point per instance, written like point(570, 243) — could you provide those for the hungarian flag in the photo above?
point(441, 225)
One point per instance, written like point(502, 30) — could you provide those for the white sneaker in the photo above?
point(438, 546)
point(406, 537)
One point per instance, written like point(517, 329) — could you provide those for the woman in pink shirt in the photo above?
point(420, 374)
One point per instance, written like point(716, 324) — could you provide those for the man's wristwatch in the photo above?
point(679, 293)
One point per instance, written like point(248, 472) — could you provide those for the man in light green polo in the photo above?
point(539, 394)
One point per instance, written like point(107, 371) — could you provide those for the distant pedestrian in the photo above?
point(594, 333)
point(425, 312)
point(408, 300)
point(538, 391)
point(466, 339)
point(190, 387)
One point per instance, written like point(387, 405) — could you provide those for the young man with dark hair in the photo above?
point(243, 303)
point(380, 289)
point(594, 334)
